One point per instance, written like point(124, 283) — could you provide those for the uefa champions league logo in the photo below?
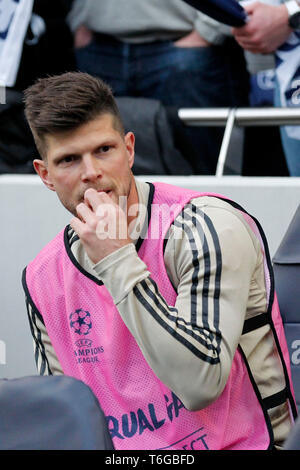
point(81, 322)
point(86, 353)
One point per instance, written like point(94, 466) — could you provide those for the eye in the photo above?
point(67, 159)
point(105, 148)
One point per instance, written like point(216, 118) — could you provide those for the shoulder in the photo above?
point(210, 224)
point(224, 217)
point(51, 250)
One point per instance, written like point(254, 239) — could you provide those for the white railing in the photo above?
point(232, 119)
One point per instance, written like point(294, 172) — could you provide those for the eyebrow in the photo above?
point(107, 142)
point(60, 157)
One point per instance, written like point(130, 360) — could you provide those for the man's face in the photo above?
point(95, 155)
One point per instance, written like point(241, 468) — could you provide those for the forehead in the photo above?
point(82, 138)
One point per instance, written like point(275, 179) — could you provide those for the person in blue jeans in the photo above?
point(154, 49)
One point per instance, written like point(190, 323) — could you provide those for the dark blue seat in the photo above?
point(293, 440)
point(51, 413)
point(286, 263)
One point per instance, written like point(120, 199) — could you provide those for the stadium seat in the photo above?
point(51, 413)
point(155, 149)
point(286, 263)
point(293, 440)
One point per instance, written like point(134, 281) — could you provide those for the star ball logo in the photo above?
point(85, 352)
point(81, 322)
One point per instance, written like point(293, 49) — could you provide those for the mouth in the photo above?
point(107, 191)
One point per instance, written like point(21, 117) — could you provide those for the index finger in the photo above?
point(95, 198)
point(241, 32)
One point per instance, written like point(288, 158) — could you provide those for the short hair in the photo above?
point(60, 103)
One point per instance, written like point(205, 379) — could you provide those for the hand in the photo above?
point(266, 30)
point(192, 39)
point(82, 37)
point(103, 226)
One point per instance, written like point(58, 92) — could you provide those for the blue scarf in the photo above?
point(14, 19)
point(226, 11)
point(288, 77)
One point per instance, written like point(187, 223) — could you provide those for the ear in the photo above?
point(42, 170)
point(129, 142)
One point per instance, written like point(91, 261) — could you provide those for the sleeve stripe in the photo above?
point(197, 213)
point(72, 236)
point(172, 331)
point(40, 354)
point(218, 254)
point(195, 276)
point(165, 319)
point(147, 284)
point(218, 268)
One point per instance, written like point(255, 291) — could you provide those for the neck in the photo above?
point(132, 204)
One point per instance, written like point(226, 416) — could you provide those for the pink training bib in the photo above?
point(94, 345)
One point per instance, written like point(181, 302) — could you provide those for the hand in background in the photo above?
point(192, 39)
point(82, 36)
point(266, 29)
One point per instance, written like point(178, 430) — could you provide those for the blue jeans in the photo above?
point(177, 77)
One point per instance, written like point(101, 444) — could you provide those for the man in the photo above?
point(276, 28)
point(273, 27)
point(155, 296)
point(154, 49)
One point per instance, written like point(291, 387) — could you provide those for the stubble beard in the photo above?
point(119, 198)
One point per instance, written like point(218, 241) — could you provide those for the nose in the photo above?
point(91, 169)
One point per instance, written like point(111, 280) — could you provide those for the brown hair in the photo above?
point(64, 102)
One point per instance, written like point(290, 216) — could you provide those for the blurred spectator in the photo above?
point(47, 49)
point(52, 52)
point(276, 28)
point(269, 37)
point(14, 21)
point(155, 49)
point(263, 150)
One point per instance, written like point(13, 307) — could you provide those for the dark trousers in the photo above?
point(178, 77)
